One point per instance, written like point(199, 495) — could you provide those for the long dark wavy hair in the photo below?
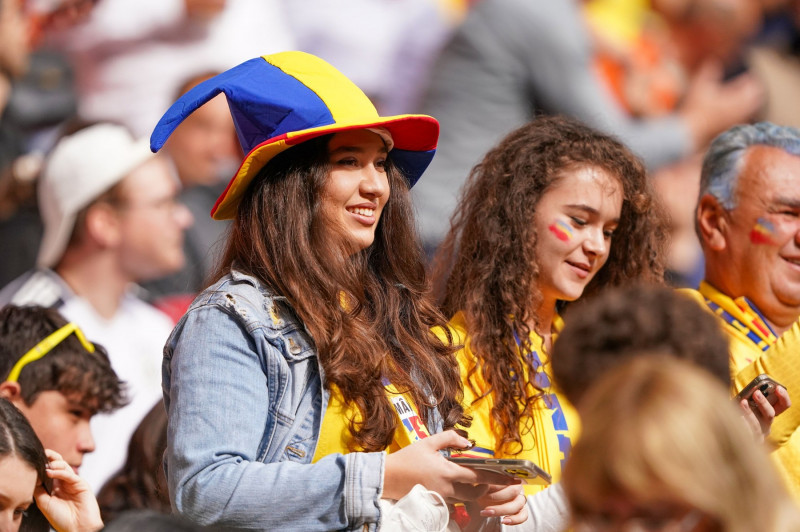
point(369, 313)
point(487, 266)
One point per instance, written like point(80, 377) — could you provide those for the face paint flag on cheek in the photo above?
point(762, 232)
point(562, 231)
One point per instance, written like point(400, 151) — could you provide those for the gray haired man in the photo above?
point(748, 223)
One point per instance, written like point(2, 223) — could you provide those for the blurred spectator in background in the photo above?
point(141, 483)
point(205, 155)
point(511, 59)
point(59, 381)
point(14, 57)
point(647, 52)
point(650, 54)
point(61, 390)
point(22, 23)
point(36, 96)
point(131, 57)
point(110, 219)
point(663, 448)
point(14, 51)
point(391, 53)
point(152, 521)
point(775, 57)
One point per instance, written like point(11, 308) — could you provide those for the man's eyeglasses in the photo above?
point(47, 345)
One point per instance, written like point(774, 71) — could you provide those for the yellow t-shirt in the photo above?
point(754, 350)
point(335, 435)
point(546, 439)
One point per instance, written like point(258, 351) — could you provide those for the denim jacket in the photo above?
point(244, 395)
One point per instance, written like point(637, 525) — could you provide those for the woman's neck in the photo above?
point(544, 322)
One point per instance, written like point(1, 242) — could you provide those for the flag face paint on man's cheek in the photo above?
point(762, 232)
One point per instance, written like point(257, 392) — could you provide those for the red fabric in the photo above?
point(174, 306)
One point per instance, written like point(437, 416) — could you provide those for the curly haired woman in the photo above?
point(555, 211)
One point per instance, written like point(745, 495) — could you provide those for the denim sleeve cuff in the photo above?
point(363, 487)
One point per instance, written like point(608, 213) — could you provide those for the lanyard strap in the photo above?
point(763, 341)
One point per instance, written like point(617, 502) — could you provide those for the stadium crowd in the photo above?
point(402, 265)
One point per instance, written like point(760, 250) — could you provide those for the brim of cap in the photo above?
point(416, 135)
point(54, 242)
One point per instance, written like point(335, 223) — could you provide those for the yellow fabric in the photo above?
point(619, 20)
point(781, 361)
point(258, 158)
point(345, 101)
point(335, 436)
point(542, 443)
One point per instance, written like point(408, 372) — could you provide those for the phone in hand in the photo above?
point(763, 383)
point(525, 470)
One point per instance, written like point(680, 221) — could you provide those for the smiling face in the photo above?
point(574, 222)
point(357, 188)
point(18, 480)
point(761, 236)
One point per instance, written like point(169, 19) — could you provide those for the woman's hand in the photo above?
point(761, 423)
point(422, 463)
point(508, 502)
point(71, 507)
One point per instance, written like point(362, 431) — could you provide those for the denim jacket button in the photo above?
point(294, 348)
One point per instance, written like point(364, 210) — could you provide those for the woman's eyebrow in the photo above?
point(583, 207)
point(588, 210)
point(355, 149)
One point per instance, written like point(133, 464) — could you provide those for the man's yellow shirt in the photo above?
point(753, 351)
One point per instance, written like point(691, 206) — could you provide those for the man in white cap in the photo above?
point(110, 220)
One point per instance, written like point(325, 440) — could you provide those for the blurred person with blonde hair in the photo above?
point(663, 447)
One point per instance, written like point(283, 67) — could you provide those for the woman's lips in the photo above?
point(581, 270)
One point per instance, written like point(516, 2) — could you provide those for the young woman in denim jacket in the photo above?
point(318, 322)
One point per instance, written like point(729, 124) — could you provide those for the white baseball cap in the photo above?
point(81, 167)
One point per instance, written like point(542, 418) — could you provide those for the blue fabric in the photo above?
point(263, 100)
point(245, 401)
point(412, 163)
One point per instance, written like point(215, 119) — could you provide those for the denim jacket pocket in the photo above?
point(285, 327)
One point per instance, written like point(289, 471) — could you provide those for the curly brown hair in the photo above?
point(626, 322)
point(487, 266)
point(383, 328)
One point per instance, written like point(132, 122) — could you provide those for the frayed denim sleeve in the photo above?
point(226, 390)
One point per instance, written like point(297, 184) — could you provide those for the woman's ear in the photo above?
point(711, 223)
